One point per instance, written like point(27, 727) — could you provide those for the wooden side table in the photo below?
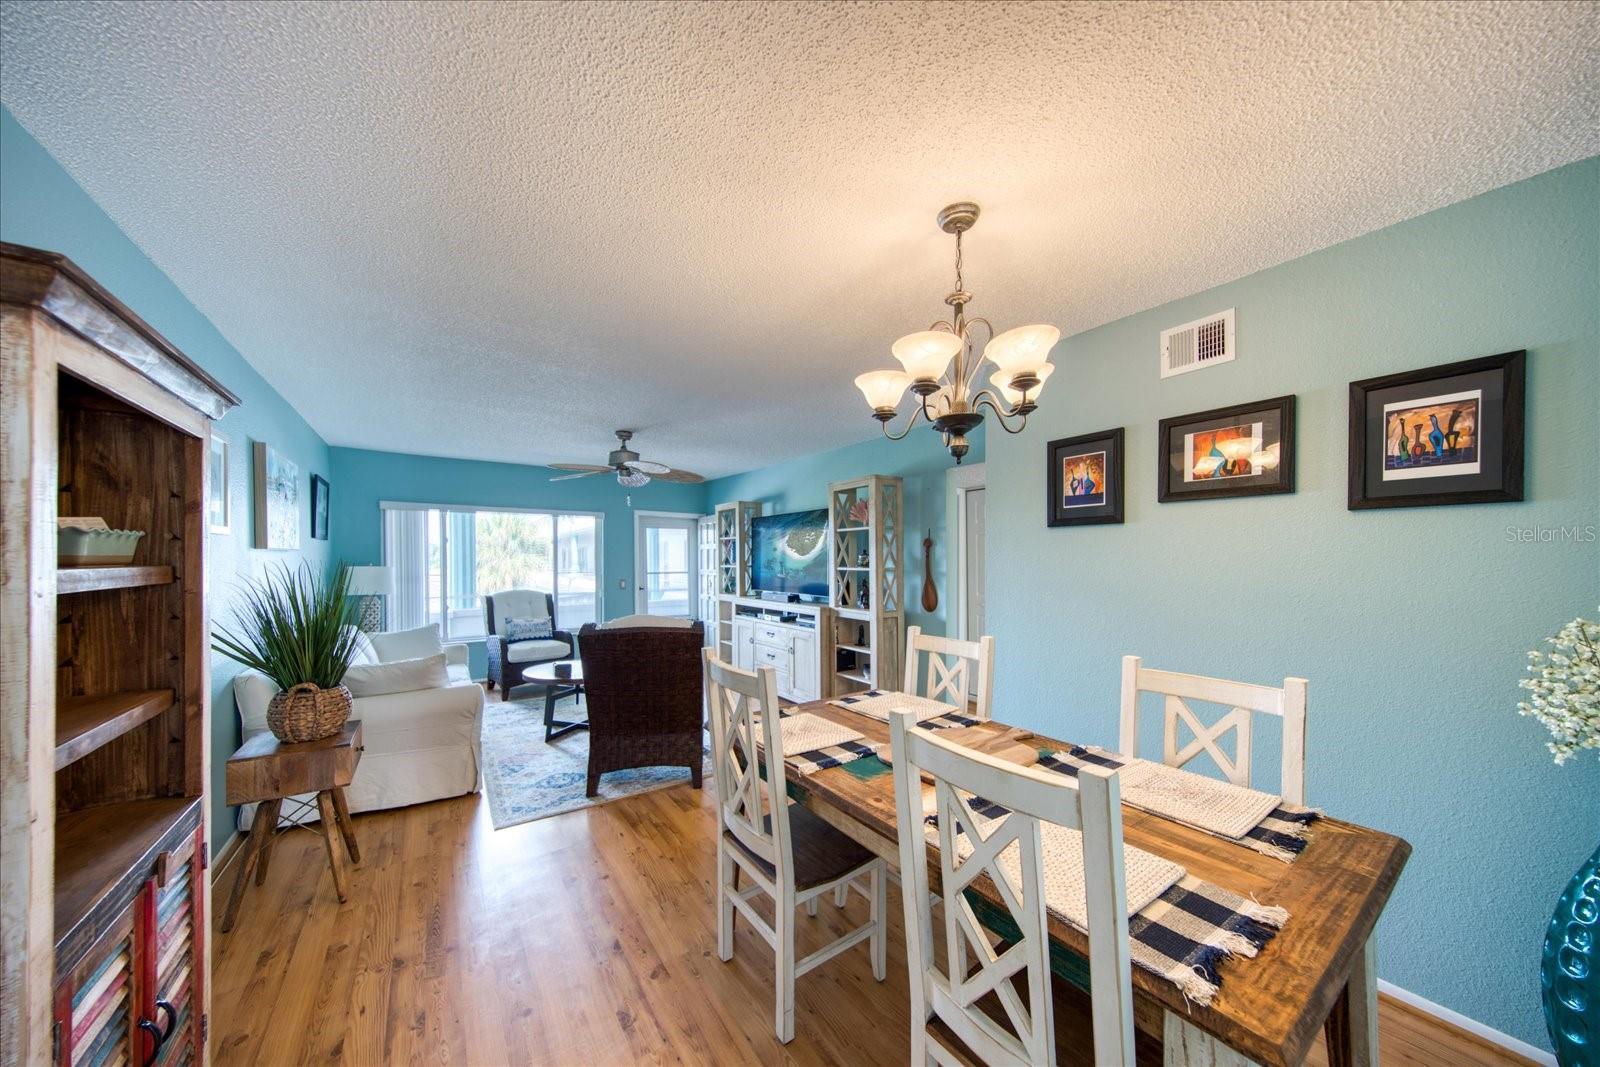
point(266, 771)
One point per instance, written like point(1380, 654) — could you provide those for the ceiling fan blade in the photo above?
point(644, 466)
point(581, 474)
point(587, 467)
point(687, 477)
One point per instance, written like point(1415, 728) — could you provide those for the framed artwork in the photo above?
point(219, 512)
point(277, 499)
point(319, 508)
point(1243, 450)
point(1083, 479)
point(1450, 434)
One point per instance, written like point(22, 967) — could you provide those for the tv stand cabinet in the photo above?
point(787, 637)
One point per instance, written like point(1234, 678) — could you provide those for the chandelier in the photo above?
point(941, 365)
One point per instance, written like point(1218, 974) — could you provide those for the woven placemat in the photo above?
point(804, 732)
point(878, 703)
point(1205, 803)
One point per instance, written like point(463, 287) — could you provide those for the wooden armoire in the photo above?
point(105, 706)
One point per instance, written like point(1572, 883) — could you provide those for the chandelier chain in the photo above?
point(959, 286)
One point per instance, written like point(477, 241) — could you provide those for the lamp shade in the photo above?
point(927, 353)
point(371, 581)
point(1001, 380)
point(1023, 350)
point(883, 388)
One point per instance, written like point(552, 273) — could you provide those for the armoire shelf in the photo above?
point(95, 579)
point(83, 724)
point(99, 848)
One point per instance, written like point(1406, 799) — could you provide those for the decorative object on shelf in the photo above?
point(293, 625)
point(631, 471)
point(930, 591)
point(277, 488)
point(1021, 357)
point(371, 586)
point(319, 508)
point(1083, 479)
point(219, 509)
point(1450, 434)
point(89, 542)
point(1243, 450)
point(1564, 688)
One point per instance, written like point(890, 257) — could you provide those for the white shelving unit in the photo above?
point(866, 583)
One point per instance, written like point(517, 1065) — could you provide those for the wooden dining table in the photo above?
point(1316, 976)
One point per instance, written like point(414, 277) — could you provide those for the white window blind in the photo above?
point(445, 560)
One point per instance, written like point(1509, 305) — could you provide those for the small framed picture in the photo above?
point(319, 508)
point(219, 515)
point(1443, 435)
point(1243, 450)
point(1083, 479)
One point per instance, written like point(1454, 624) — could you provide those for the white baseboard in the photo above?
point(1471, 1026)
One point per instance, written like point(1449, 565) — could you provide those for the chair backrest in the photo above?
point(517, 604)
point(640, 622)
point(1245, 700)
point(642, 681)
point(958, 672)
point(1092, 805)
point(753, 808)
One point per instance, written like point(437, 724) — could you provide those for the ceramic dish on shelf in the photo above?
point(89, 546)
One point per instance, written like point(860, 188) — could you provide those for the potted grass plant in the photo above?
point(294, 626)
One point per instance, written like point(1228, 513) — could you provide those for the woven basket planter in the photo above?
point(306, 712)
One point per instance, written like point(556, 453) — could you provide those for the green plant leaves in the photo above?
point(294, 625)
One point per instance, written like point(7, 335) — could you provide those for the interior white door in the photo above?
point(707, 563)
point(973, 526)
point(666, 564)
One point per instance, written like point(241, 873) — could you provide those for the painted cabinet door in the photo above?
point(177, 945)
point(744, 642)
point(98, 1005)
point(805, 683)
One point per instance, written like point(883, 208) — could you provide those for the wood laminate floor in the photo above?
point(583, 939)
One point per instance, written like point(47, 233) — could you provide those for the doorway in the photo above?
point(968, 617)
point(666, 563)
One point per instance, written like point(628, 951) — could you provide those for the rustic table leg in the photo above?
point(274, 807)
point(1185, 1045)
point(1352, 1026)
point(330, 839)
point(346, 828)
point(259, 828)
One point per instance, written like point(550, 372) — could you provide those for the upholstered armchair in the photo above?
point(507, 658)
point(644, 686)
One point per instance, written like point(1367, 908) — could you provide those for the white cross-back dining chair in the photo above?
point(1245, 700)
point(973, 969)
point(957, 672)
point(784, 850)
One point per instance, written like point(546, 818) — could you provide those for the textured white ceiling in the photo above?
point(503, 230)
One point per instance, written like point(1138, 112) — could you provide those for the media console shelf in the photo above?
point(866, 584)
point(107, 691)
point(790, 638)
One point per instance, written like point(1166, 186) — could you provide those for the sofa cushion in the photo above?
point(252, 692)
point(518, 604)
point(408, 644)
point(528, 629)
point(364, 652)
point(661, 622)
point(397, 676)
point(536, 651)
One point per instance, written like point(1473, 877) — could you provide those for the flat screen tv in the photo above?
point(789, 554)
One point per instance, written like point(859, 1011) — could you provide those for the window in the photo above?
point(446, 559)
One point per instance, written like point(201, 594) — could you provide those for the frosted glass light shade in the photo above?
point(927, 353)
point(1023, 350)
point(1002, 383)
point(883, 388)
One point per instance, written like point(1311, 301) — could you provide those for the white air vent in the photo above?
point(1201, 343)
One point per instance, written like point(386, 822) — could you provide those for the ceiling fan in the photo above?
point(631, 470)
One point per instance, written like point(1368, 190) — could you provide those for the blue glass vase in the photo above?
point(1569, 976)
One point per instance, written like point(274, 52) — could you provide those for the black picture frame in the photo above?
point(1109, 510)
point(1497, 453)
point(319, 508)
point(1171, 449)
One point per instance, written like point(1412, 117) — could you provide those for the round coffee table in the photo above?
point(560, 678)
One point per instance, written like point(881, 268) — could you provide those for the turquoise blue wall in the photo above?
point(920, 459)
point(362, 478)
point(1411, 624)
point(41, 205)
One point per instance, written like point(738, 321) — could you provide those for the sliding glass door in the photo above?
point(665, 556)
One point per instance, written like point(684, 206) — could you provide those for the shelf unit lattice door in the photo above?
point(866, 586)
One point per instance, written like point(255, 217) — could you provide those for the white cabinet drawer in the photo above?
point(780, 658)
point(773, 636)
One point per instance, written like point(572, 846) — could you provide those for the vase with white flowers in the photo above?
point(1564, 694)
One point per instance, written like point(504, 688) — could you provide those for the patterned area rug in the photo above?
point(527, 779)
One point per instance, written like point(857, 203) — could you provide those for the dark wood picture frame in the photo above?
point(320, 508)
point(1513, 368)
point(1285, 407)
point(1111, 443)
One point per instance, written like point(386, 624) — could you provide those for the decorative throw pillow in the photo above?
point(528, 629)
point(397, 676)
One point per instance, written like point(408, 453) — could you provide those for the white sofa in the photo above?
point(419, 745)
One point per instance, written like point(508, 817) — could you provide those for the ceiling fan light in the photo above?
point(883, 388)
point(1001, 380)
point(1022, 351)
point(632, 479)
point(927, 353)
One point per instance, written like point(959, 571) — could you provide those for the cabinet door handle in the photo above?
point(158, 1035)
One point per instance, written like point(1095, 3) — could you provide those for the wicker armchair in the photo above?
point(507, 659)
point(644, 688)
